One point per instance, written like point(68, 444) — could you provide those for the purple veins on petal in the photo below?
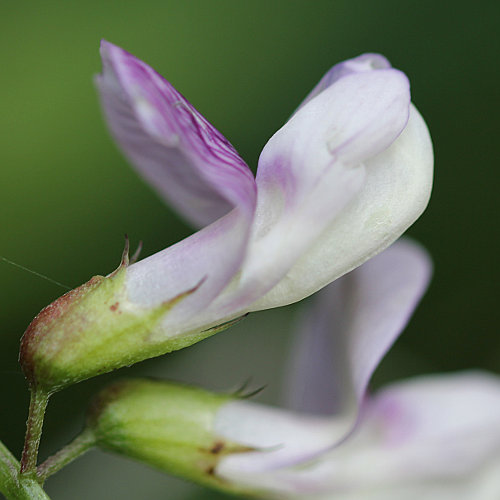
point(170, 143)
point(317, 171)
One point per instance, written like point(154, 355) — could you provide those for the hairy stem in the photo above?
point(38, 404)
point(14, 487)
point(63, 457)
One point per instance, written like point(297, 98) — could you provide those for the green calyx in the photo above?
point(94, 329)
point(169, 426)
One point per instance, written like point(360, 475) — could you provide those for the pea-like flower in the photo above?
point(339, 182)
point(433, 437)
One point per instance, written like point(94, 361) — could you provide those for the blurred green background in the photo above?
point(67, 196)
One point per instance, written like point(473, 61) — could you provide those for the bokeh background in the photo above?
point(67, 196)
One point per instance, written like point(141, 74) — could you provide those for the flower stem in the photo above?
point(12, 486)
point(70, 452)
point(38, 404)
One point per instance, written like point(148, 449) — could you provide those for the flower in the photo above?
point(340, 181)
point(433, 437)
point(348, 173)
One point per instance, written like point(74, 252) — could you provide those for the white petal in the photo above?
point(360, 64)
point(436, 438)
point(208, 260)
point(284, 438)
point(310, 172)
point(375, 304)
point(394, 194)
point(349, 327)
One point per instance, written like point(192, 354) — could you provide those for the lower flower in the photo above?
point(434, 437)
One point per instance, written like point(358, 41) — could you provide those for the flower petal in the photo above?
point(351, 325)
point(451, 418)
point(436, 436)
point(204, 262)
point(169, 142)
point(394, 194)
point(193, 166)
point(339, 347)
point(360, 64)
point(283, 438)
point(310, 171)
point(432, 437)
point(310, 175)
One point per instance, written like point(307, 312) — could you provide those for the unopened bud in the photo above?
point(166, 425)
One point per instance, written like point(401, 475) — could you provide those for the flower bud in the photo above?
point(166, 425)
point(94, 329)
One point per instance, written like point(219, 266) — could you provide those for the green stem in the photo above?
point(12, 485)
point(77, 447)
point(38, 404)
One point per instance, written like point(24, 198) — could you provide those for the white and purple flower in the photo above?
point(339, 182)
point(433, 437)
point(348, 173)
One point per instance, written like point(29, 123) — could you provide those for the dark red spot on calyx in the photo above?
point(217, 447)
